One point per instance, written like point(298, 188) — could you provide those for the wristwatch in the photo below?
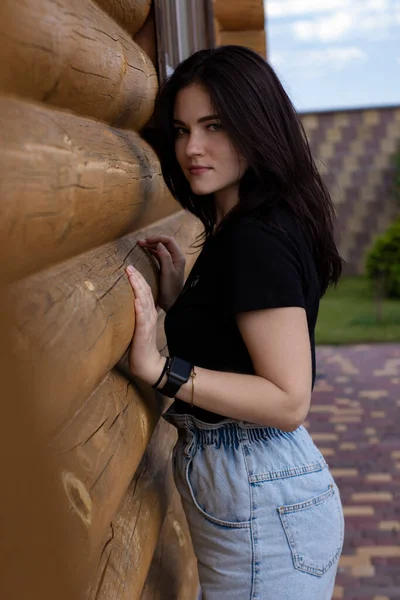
point(178, 373)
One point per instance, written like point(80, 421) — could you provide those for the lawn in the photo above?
point(348, 315)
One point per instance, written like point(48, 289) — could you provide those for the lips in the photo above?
point(198, 170)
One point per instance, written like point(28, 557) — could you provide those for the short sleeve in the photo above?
point(262, 268)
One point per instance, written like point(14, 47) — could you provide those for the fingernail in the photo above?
point(130, 269)
point(160, 246)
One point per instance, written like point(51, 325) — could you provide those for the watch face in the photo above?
point(178, 374)
point(180, 369)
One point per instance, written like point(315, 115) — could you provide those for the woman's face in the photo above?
point(203, 149)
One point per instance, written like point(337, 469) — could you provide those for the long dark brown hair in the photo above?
point(262, 123)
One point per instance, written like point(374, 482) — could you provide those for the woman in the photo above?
point(263, 509)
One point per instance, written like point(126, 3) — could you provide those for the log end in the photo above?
point(78, 496)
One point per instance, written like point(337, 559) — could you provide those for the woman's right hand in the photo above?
point(172, 267)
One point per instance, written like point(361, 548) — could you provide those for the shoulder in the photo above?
point(278, 233)
point(262, 269)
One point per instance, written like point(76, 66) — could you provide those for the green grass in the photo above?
point(348, 315)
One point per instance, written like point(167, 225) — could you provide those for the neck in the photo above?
point(225, 200)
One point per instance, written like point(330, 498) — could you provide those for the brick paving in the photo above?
point(355, 421)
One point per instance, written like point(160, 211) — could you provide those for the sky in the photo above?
point(333, 54)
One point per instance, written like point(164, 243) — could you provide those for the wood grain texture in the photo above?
point(129, 547)
point(71, 54)
point(130, 14)
point(255, 40)
point(239, 15)
point(98, 451)
point(146, 38)
point(69, 184)
point(77, 319)
point(173, 572)
point(38, 557)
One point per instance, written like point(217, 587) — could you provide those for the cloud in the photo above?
point(377, 5)
point(276, 9)
point(279, 59)
point(288, 8)
point(336, 58)
point(373, 22)
point(326, 29)
point(313, 63)
point(330, 53)
point(341, 19)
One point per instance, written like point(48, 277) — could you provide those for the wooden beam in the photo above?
point(217, 32)
point(173, 572)
point(70, 54)
point(130, 14)
point(251, 39)
point(239, 15)
point(146, 38)
point(38, 557)
point(132, 538)
point(98, 451)
point(77, 319)
point(69, 184)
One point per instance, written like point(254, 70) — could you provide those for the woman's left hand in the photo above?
point(145, 360)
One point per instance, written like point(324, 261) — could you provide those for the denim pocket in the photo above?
point(218, 485)
point(314, 530)
point(282, 455)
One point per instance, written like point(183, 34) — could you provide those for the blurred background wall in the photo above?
point(355, 151)
point(339, 62)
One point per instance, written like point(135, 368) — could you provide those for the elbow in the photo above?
point(296, 411)
point(288, 427)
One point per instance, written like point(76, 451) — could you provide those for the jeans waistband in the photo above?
point(228, 432)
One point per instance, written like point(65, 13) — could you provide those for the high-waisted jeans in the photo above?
point(263, 510)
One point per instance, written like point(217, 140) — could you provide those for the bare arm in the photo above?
point(278, 343)
point(280, 392)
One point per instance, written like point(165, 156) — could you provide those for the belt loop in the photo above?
point(242, 432)
point(190, 437)
point(190, 446)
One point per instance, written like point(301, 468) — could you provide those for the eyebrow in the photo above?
point(202, 120)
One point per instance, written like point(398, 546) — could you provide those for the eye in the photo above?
point(214, 127)
point(179, 131)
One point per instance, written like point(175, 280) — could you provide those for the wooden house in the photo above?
point(89, 508)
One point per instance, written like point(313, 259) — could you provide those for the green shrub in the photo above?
point(383, 261)
point(397, 177)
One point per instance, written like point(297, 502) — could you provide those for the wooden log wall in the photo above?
point(241, 22)
point(70, 54)
point(38, 558)
point(79, 186)
point(72, 183)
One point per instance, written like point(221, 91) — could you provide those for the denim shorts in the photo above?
point(263, 510)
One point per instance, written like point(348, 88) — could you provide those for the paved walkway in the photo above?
point(355, 421)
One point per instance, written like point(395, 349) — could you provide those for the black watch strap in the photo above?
point(178, 373)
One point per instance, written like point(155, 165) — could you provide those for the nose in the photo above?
point(195, 144)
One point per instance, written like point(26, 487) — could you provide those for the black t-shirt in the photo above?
point(252, 263)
